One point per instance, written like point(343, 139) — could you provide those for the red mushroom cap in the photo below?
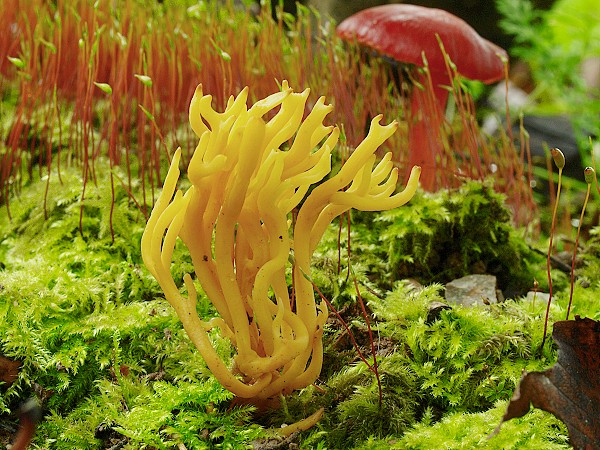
point(403, 32)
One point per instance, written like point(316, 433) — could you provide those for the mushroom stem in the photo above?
point(427, 104)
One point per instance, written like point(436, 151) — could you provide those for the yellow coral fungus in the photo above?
point(251, 168)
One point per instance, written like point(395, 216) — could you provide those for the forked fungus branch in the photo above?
point(235, 220)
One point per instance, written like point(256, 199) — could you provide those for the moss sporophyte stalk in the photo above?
point(251, 169)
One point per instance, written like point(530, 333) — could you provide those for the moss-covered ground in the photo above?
point(108, 358)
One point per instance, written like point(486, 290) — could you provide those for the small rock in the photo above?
point(472, 290)
point(537, 296)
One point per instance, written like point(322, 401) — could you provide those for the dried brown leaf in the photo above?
point(571, 388)
point(9, 370)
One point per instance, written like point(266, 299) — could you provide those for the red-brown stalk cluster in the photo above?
point(97, 84)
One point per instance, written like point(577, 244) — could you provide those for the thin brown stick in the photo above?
point(559, 160)
point(590, 176)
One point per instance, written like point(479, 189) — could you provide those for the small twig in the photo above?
point(371, 340)
point(372, 367)
point(344, 324)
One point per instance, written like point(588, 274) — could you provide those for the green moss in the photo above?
point(351, 400)
point(435, 238)
point(114, 366)
point(467, 431)
point(433, 371)
point(455, 233)
point(469, 357)
point(141, 413)
point(96, 340)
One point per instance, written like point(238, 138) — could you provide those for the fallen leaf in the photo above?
point(571, 388)
point(9, 370)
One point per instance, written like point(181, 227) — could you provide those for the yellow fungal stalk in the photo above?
point(251, 168)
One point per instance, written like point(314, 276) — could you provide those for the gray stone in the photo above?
point(472, 290)
point(533, 296)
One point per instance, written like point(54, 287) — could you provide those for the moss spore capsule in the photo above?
point(558, 157)
point(589, 174)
